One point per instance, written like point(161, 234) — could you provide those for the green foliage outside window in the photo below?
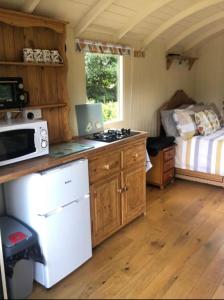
point(102, 82)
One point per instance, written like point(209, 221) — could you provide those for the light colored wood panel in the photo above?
point(134, 199)
point(104, 166)
point(134, 155)
point(92, 14)
point(105, 208)
point(177, 18)
point(199, 175)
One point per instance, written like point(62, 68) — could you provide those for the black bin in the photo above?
point(19, 242)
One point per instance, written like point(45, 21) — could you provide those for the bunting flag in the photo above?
point(105, 48)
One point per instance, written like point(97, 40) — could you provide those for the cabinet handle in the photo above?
point(126, 189)
point(135, 156)
point(120, 191)
point(106, 167)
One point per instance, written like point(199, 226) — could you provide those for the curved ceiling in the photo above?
point(178, 23)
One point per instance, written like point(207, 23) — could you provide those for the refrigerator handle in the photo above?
point(60, 208)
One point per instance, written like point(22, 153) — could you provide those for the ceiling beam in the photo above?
point(202, 37)
point(177, 18)
point(139, 17)
point(194, 28)
point(30, 5)
point(91, 15)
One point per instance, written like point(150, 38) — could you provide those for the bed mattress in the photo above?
point(201, 153)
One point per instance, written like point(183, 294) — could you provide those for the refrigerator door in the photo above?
point(65, 239)
point(63, 184)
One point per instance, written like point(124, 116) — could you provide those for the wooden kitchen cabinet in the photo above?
point(105, 208)
point(134, 195)
point(118, 189)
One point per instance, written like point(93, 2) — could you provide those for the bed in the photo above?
point(200, 158)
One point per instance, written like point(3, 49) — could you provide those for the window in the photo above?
point(104, 83)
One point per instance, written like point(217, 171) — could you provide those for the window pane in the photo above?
point(102, 83)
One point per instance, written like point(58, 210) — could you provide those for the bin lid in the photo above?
point(13, 232)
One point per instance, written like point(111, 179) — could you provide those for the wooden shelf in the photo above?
point(46, 106)
point(40, 106)
point(170, 58)
point(26, 64)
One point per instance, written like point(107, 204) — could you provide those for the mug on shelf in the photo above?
point(46, 56)
point(28, 55)
point(38, 55)
point(56, 57)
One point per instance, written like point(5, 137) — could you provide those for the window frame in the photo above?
point(120, 89)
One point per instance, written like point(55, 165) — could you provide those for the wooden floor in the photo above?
point(176, 251)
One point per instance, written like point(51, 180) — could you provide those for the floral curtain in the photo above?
point(105, 48)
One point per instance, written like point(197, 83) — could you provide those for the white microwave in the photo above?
point(22, 139)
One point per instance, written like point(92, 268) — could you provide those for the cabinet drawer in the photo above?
point(169, 154)
point(167, 176)
point(101, 167)
point(169, 164)
point(134, 154)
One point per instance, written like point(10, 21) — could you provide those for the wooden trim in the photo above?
point(29, 6)
point(203, 36)
point(89, 17)
point(192, 29)
point(139, 17)
point(20, 19)
point(200, 177)
point(177, 18)
point(26, 64)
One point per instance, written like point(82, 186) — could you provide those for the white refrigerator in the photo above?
point(56, 204)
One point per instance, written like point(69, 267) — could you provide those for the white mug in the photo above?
point(28, 55)
point(38, 55)
point(56, 57)
point(46, 56)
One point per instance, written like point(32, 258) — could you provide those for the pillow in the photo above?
point(185, 123)
point(209, 106)
point(168, 123)
point(203, 124)
point(213, 119)
point(212, 106)
point(199, 107)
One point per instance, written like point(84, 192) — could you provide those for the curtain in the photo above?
point(106, 48)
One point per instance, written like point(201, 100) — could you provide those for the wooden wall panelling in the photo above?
point(46, 85)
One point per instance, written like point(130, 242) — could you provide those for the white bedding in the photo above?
point(201, 153)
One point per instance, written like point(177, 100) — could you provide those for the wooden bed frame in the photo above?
point(178, 99)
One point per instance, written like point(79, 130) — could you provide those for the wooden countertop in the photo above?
point(14, 171)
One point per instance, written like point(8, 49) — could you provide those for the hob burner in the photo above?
point(110, 135)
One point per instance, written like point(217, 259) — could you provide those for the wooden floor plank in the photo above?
point(176, 251)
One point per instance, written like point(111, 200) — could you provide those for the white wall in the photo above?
point(209, 75)
point(147, 84)
point(153, 85)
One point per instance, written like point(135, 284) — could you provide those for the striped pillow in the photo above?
point(203, 124)
point(185, 123)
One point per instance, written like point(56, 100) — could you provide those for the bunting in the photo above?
point(105, 48)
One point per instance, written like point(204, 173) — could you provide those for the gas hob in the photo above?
point(109, 136)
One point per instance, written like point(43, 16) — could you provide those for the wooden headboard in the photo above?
point(178, 99)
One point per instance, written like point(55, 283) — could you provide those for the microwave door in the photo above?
point(16, 143)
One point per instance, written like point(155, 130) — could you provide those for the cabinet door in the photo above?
point(134, 196)
point(106, 208)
